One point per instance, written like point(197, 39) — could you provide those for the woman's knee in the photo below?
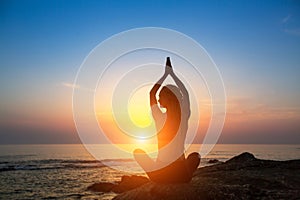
point(139, 155)
point(194, 155)
point(194, 159)
point(138, 152)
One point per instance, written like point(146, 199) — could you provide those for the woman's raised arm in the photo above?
point(183, 90)
point(155, 89)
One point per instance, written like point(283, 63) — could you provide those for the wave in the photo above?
point(68, 164)
point(52, 164)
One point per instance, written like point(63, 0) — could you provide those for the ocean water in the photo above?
point(65, 171)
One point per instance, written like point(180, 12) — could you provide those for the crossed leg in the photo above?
point(180, 171)
point(144, 160)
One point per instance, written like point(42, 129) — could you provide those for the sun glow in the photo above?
point(142, 140)
point(138, 107)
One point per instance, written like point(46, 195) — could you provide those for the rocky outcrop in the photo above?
point(214, 161)
point(127, 183)
point(242, 177)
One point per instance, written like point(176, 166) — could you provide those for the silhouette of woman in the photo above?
point(172, 128)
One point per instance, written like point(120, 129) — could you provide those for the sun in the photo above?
point(139, 108)
point(141, 140)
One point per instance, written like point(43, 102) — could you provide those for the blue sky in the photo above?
point(255, 44)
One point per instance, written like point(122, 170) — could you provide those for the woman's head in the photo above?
point(170, 96)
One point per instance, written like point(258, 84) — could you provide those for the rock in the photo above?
point(244, 157)
point(242, 177)
point(129, 183)
point(213, 161)
point(101, 187)
point(126, 183)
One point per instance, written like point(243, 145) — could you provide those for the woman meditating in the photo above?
point(171, 166)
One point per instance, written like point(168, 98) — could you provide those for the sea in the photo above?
point(65, 171)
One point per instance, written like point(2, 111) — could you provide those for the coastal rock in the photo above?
point(242, 177)
point(102, 187)
point(213, 161)
point(127, 183)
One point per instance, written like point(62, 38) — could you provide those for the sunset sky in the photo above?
point(255, 44)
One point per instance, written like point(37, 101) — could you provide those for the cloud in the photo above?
point(75, 86)
point(286, 19)
point(70, 85)
point(295, 32)
point(290, 25)
point(248, 109)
